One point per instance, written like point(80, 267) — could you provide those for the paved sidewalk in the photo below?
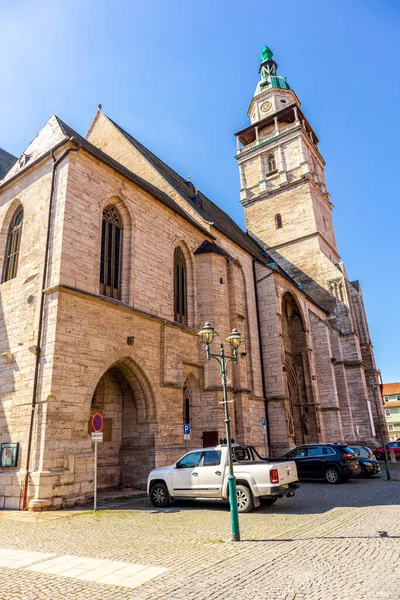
point(328, 543)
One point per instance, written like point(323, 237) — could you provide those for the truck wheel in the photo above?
point(244, 499)
point(159, 496)
point(332, 475)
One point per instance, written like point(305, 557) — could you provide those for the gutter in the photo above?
point(41, 310)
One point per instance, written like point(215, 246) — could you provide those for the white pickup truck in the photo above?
point(204, 473)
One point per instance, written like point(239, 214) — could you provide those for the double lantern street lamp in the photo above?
point(207, 335)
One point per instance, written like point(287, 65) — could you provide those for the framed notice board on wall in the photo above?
point(9, 455)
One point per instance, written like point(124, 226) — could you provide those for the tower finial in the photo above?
point(266, 54)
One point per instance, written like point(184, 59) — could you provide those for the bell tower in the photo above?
point(282, 186)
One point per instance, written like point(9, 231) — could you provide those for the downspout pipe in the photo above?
point(263, 382)
point(56, 162)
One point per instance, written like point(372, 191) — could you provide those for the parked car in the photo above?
point(366, 458)
point(203, 474)
point(395, 446)
point(333, 462)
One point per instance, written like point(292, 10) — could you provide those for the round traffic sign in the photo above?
point(97, 422)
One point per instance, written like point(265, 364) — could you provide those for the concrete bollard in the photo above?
point(392, 456)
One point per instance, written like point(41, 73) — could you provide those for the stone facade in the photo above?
point(68, 351)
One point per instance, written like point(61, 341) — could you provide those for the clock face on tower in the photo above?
point(265, 106)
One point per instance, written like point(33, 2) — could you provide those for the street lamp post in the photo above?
point(371, 381)
point(207, 335)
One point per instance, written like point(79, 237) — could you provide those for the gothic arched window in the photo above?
point(271, 163)
point(13, 243)
point(278, 221)
point(111, 253)
point(180, 296)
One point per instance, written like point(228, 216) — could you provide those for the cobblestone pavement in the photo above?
point(328, 543)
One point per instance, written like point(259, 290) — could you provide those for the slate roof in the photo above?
point(203, 205)
point(149, 187)
point(7, 161)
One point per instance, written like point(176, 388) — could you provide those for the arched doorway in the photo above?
point(124, 398)
point(300, 407)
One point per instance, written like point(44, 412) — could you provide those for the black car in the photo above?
point(366, 458)
point(332, 462)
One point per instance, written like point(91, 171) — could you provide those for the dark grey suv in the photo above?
point(332, 462)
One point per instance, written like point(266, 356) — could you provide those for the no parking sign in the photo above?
point(97, 422)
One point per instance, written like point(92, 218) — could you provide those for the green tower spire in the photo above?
point(269, 72)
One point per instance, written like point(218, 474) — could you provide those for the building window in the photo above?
point(386, 398)
point(278, 221)
point(180, 304)
point(111, 253)
point(398, 397)
point(387, 412)
point(391, 427)
point(271, 164)
point(13, 244)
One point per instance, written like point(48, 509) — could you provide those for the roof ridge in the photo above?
point(126, 133)
point(207, 209)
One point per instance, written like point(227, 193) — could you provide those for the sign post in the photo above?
point(97, 436)
point(186, 434)
point(264, 428)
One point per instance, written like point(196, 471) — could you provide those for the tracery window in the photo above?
point(271, 163)
point(180, 293)
point(13, 244)
point(111, 253)
point(278, 221)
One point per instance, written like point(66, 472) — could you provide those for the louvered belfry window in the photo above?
point(111, 253)
point(180, 304)
point(13, 243)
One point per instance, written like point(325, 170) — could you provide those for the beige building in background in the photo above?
point(111, 262)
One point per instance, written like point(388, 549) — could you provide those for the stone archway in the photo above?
point(300, 409)
point(124, 397)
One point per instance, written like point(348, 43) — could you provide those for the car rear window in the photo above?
point(240, 454)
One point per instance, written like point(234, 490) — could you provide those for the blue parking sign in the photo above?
point(186, 429)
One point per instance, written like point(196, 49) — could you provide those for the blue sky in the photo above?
point(179, 76)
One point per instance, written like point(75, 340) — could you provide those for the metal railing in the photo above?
point(270, 136)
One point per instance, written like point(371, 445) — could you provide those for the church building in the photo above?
point(111, 262)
